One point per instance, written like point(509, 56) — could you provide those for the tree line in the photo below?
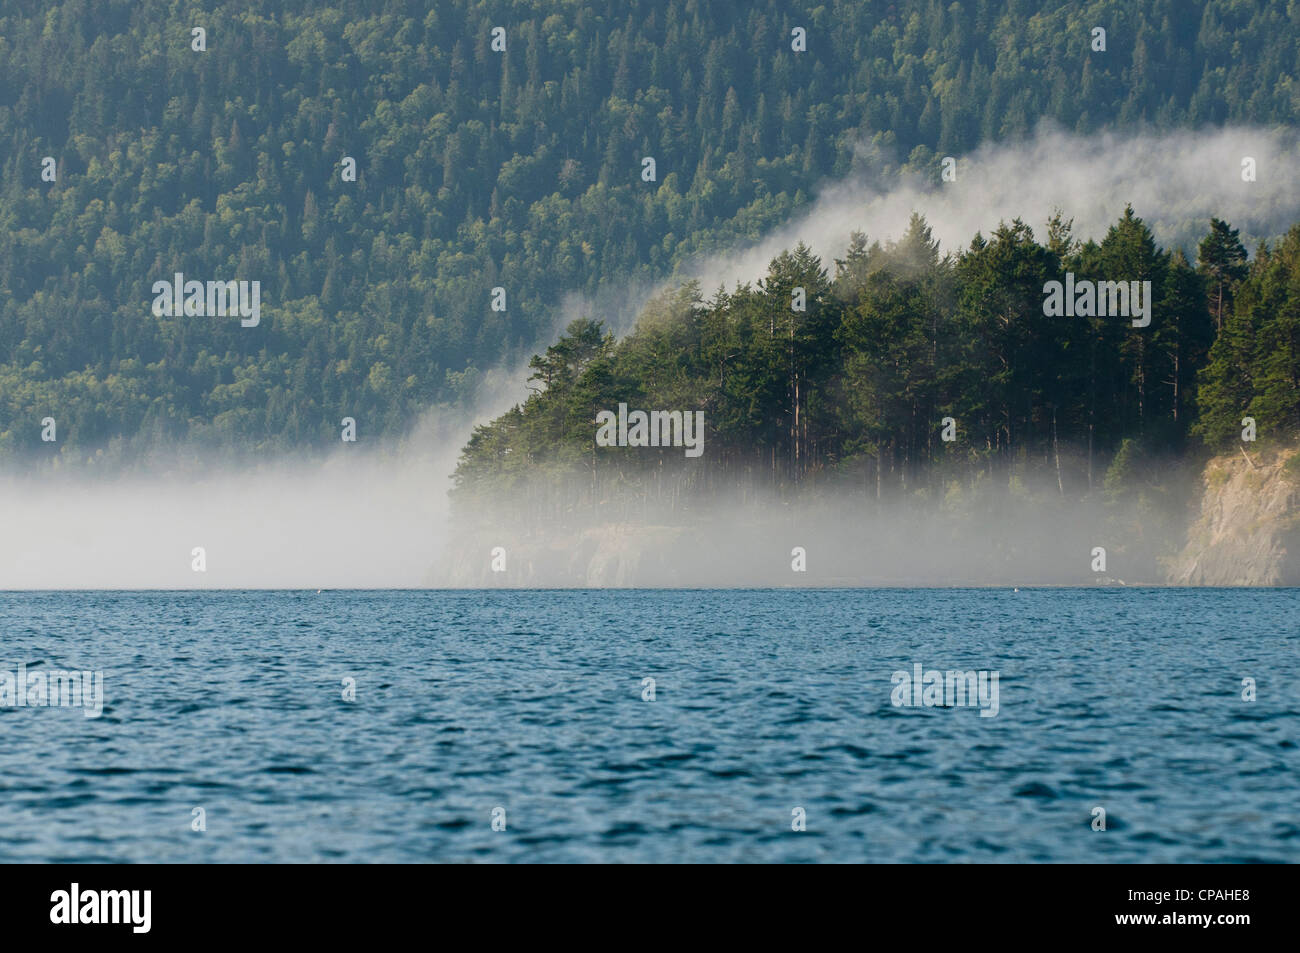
point(898, 346)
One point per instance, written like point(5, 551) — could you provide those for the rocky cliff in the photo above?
point(1248, 530)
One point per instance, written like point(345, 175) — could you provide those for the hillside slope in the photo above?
point(516, 166)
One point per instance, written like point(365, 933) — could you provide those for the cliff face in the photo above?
point(1248, 533)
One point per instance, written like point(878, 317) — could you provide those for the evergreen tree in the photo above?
point(1222, 259)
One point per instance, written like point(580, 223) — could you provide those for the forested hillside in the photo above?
point(520, 169)
point(897, 345)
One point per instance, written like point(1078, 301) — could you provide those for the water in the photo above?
point(765, 701)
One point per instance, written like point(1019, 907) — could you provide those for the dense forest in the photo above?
point(521, 168)
point(896, 345)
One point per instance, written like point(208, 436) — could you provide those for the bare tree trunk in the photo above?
point(1056, 449)
point(1177, 365)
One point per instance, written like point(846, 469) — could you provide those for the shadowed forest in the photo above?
point(521, 169)
point(897, 343)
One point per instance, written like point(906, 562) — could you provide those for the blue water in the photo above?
point(765, 701)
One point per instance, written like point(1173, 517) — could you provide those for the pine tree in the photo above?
point(1222, 259)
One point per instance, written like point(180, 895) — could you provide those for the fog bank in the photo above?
point(372, 516)
point(1175, 181)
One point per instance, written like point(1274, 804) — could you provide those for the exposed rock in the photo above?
point(1248, 533)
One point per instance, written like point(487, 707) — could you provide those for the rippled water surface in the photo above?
point(764, 702)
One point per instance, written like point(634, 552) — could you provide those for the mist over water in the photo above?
point(366, 516)
point(371, 516)
point(368, 523)
point(841, 536)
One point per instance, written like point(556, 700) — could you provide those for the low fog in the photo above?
point(986, 535)
point(377, 516)
point(368, 516)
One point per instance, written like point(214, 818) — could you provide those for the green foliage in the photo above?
point(479, 169)
point(1222, 260)
point(1254, 364)
point(857, 386)
point(1291, 468)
